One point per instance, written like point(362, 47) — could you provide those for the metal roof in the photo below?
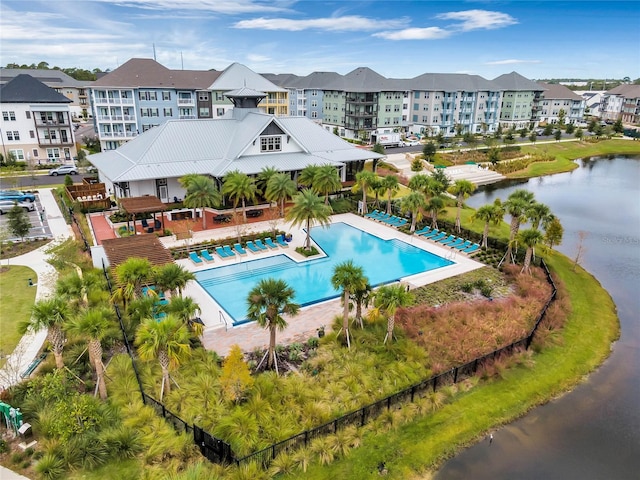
point(451, 82)
point(236, 75)
point(556, 91)
point(51, 78)
point(218, 146)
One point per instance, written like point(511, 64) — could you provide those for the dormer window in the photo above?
point(271, 143)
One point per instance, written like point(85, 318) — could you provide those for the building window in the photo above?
point(9, 116)
point(35, 152)
point(204, 112)
point(168, 112)
point(166, 95)
point(18, 154)
point(13, 135)
point(314, 114)
point(314, 93)
point(314, 103)
point(219, 97)
point(203, 96)
point(53, 153)
point(32, 134)
point(387, 108)
point(219, 112)
point(270, 144)
point(146, 127)
point(415, 118)
point(145, 95)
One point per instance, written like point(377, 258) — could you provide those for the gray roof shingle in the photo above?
point(26, 89)
point(514, 82)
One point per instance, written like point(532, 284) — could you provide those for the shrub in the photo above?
point(4, 446)
point(307, 253)
point(50, 467)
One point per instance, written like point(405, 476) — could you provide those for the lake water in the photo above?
point(593, 432)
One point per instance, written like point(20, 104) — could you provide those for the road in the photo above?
point(30, 181)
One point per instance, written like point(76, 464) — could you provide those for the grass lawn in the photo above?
point(17, 300)
point(566, 152)
point(415, 449)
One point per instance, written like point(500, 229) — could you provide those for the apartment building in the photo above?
point(453, 103)
point(36, 123)
point(519, 104)
point(236, 75)
point(621, 102)
point(142, 94)
point(556, 103)
point(75, 90)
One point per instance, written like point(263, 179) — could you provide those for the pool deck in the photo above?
point(220, 337)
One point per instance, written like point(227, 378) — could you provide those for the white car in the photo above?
point(64, 170)
point(6, 205)
point(411, 143)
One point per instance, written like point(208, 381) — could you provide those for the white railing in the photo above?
point(186, 101)
point(186, 117)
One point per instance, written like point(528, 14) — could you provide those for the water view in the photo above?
point(592, 433)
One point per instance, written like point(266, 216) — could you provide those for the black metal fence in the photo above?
point(363, 415)
point(219, 451)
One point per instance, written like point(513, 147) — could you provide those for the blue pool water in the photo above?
point(383, 261)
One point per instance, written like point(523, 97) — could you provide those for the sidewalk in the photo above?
point(46, 275)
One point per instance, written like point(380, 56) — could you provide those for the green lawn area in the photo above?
point(415, 449)
point(566, 152)
point(17, 300)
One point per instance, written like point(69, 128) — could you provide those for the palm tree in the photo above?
point(361, 297)
point(516, 205)
point(391, 185)
point(419, 183)
point(82, 289)
point(364, 180)
point(461, 189)
point(280, 188)
point(94, 325)
point(172, 277)
point(308, 175)
point(387, 299)
point(201, 192)
point(262, 179)
point(240, 188)
point(167, 341)
point(489, 214)
point(438, 183)
point(326, 181)
point(267, 301)
point(377, 186)
point(308, 209)
point(140, 309)
point(349, 278)
point(52, 314)
point(529, 238)
point(414, 203)
point(186, 309)
point(539, 213)
point(435, 205)
point(131, 275)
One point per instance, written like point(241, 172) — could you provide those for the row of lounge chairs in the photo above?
point(387, 218)
point(226, 252)
point(443, 238)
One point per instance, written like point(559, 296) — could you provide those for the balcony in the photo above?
point(187, 117)
point(186, 101)
point(54, 141)
point(51, 123)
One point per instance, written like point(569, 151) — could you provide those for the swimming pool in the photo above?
point(383, 261)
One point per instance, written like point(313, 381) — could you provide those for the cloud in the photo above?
point(478, 19)
point(228, 7)
point(429, 33)
point(252, 57)
point(511, 61)
point(346, 23)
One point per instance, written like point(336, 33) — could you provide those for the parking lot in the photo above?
point(39, 226)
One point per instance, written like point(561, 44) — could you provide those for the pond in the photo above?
point(592, 433)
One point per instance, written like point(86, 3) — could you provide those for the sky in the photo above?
point(396, 38)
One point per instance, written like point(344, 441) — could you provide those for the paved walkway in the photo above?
point(6, 474)
point(46, 275)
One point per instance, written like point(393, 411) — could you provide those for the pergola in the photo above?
point(145, 204)
point(118, 250)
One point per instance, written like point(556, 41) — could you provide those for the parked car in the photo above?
point(410, 143)
point(17, 196)
point(6, 205)
point(64, 170)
